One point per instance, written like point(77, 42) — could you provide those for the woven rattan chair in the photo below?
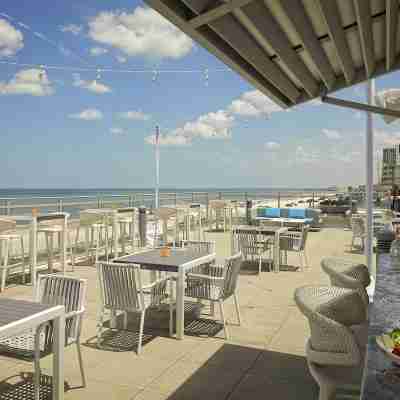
point(121, 290)
point(347, 274)
point(358, 231)
point(295, 242)
point(336, 348)
point(199, 245)
point(252, 244)
point(8, 238)
point(216, 284)
point(33, 345)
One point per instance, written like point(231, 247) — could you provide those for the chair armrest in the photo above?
point(154, 283)
point(207, 277)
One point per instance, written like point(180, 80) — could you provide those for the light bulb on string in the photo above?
point(98, 76)
point(155, 76)
point(41, 73)
point(206, 76)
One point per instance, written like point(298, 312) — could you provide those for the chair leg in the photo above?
point(100, 321)
point(139, 349)
point(301, 261)
point(259, 267)
point(97, 233)
point(5, 265)
point(23, 260)
point(125, 320)
point(171, 311)
point(221, 308)
point(327, 392)
point(78, 350)
point(212, 308)
point(235, 298)
point(37, 365)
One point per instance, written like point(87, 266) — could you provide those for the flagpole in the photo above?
point(157, 154)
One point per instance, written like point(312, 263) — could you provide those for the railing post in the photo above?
point(60, 205)
point(8, 209)
point(279, 199)
point(220, 195)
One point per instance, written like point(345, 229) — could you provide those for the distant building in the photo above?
point(391, 166)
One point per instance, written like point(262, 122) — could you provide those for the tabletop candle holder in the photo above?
point(165, 252)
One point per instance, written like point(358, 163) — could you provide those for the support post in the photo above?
point(369, 158)
point(157, 151)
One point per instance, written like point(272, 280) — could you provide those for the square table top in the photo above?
point(12, 310)
point(179, 258)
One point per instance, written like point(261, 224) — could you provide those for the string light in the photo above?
point(206, 76)
point(155, 76)
point(113, 70)
point(41, 73)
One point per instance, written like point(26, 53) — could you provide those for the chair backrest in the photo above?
point(200, 246)
point(358, 226)
point(246, 241)
point(90, 217)
point(7, 225)
point(347, 274)
point(231, 274)
point(67, 291)
point(120, 286)
point(331, 311)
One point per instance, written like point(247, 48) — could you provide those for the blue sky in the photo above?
point(75, 128)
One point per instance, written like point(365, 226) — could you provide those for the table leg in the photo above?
point(58, 358)
point(33, 250)
point(180, 305)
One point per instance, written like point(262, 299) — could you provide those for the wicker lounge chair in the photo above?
point(295, 242)
point(336, 348)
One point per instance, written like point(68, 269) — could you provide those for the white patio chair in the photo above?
point(95, 226)
point(216, 283)
point(121, 290)
point(9, 241)
point(358, 231)
point(337, 345)
point(295, 242)
point(252, 244)
point(199, 245)
point(216, 211)
point(33, 345)
point(348, 274)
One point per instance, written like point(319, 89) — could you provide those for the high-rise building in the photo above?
point(391, 166)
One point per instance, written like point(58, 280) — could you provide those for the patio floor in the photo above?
point(264, 358)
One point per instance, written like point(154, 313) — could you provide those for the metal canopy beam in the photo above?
point(331, 16)
point(217, 12)
point(173, 12)
point(364, 23)
point(241, 40)
point(295, 11)
point(360, 106)
point(392, 18)
point(257, 19)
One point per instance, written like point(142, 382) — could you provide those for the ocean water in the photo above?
point(21, 201)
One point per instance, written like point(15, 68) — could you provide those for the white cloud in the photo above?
point(169, 140)
point(253, 104)
point(331, 134)
point(93, 86)
point(28, 81)
point(216, 125)
point(121, 59)
point(72, 28)
point(137, 115)
point(143, 32)
point(117, 131)
point(272, 146)
point(307, 156)
point(11, 39)
point(90, 114)
point(98, 51)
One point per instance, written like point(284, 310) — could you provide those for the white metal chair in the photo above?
point(121, 290)
point(217, 210)
point(252, 244)
point(348, 274)
point(9, 241)
point(295, 242)
point(33, 345)
point(337, 345)
point(216, 283)
point(95, 226)
point(199, 245)
point(358, 231)
point(127, 219)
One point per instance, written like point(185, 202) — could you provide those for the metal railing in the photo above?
point(72, 204)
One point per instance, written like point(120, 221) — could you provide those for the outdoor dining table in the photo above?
point(267, 230)
point(18, 316)
point(180, 261)
point(297, 222)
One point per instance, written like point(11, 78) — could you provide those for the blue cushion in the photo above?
point(272, 212)
point(299, 213)
point(261, 212)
